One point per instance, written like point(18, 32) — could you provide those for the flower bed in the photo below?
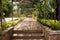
point(53, 24)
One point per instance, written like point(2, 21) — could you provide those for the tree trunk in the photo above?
point(58, 10)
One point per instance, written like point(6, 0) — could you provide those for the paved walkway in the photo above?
point(28, 24)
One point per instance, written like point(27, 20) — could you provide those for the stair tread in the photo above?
point(28, 34)
point(27, 31)
point(28, 39)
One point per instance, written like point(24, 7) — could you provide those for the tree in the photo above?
point(45, 8)
point(58, 9)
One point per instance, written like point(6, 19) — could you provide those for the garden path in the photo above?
point(28, 24)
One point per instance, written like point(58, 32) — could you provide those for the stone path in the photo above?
point(28, 24)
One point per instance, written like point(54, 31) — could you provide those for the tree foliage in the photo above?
point(6, 7)
point(45, 8)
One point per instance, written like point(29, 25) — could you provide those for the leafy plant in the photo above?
point(53, 24)
point(13, 23)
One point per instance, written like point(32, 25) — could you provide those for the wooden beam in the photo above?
point(16, 0)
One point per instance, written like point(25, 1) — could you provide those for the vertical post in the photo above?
point(1, 13)
point(58, 9)
point(12, 11)
point(45, 8)
point(17, 8)
point(55, 9)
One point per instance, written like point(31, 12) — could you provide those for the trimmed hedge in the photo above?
point(53, 24)
point(13, 23)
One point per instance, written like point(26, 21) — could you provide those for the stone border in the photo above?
point(6, 34)
point(51, 34)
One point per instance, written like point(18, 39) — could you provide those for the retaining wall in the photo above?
point(51, 34)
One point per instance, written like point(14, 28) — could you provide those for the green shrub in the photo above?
point(53, 24)
point(57, 26)
point(12, 23)
point(8, 24)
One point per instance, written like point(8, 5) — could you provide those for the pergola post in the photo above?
point(1, 13)
point(12, 11)
point(45, 8)
point(55, 9)
point(58, 9)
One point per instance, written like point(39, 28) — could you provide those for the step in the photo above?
point(28, 36)
point(27, 31)
point(27, 39)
